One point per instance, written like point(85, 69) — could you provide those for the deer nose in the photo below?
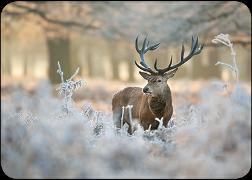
point(145, 89)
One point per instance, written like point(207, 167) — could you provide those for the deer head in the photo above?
point(157, 79)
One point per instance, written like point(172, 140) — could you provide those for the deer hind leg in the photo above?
point(117, 114)
point(130, 129)
point(119, 121)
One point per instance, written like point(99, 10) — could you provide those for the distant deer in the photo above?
point(154, 100)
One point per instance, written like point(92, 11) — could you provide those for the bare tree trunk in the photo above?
point(204, 66)
point(243, 57)
point(114, 61)
point(31, 64)
point(115, 66)
point(74, 56)
point(7, 64)
point(89, 62)
point(131, 68)
point(212, 71)
point(248, 69)
point(58, 50)
point(6, 50)
point(198, 69)
point(26, 65)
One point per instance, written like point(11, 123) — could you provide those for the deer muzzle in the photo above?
point(146, 90)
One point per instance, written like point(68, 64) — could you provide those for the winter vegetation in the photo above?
point(224, 39)
point(99, 37)
point(206, 138)
point(66, 88)
point(53, 126)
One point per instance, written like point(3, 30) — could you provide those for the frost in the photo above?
point(210, 139)
point(160, 125)
point(241, 96)
point(224, 39)
point(66, 88)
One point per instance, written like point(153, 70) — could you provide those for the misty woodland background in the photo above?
point(209, 135)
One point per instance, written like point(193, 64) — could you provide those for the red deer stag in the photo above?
point(154, 100)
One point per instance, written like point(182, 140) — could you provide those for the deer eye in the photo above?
point(159, 80)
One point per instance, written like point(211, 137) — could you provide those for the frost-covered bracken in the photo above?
point(67, 87)
point(160, 122)
point(224, 39)
point(209, 139)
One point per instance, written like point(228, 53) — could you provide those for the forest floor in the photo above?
point(209, 135)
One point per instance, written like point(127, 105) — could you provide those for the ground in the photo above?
point(209, 135)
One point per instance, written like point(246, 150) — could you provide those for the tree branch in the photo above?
point(42, 15)
point(245, 43)
point(213, 17)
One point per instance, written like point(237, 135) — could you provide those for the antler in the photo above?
point(142, 51)
point(195, 49)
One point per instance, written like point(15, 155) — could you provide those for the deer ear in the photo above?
point(170, 74)
point(145, 75)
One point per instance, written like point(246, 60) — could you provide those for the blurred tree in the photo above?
point(6, 55)
point(204, 66)
point(114, 60)
point(128, 57)
point(175, 22)
point(6, 46)
point(89, 62)
point(131, 70)
point(88, 48)
point(168, 22)
point(74, 55)
point(57, 29)
point(59, 50)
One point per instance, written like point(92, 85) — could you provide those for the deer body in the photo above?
point(145, 107)
point(154, 100)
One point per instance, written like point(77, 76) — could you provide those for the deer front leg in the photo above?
point(165, 122)
point(167, 116)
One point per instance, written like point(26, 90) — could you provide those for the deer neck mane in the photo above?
point(158, 103)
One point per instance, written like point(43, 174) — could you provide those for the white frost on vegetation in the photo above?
point(210, 139)
point(224, 39)
point(160, 125)
point(66, 88)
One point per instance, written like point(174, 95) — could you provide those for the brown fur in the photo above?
point(145, 107)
